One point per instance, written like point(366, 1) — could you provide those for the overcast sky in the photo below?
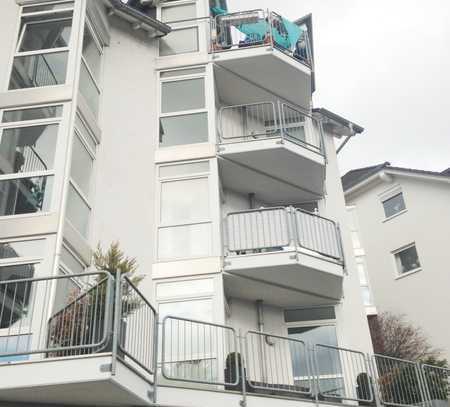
point(385, 65)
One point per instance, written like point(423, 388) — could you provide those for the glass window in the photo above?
point(179, 42)
point(82, 165)
point(183, 95)
point(185, 129)
point(184, 201)
point(25, 195)
point(177, 13)
point(394, 205)
point(28, 149)
point(37, 70)
point(328, 362)
point(200, 310)
point(184, 169)
point(71, 263)
point(89, 90)
point(22, 248)
point(85, 132)
point(184, 241)
point(181, 72)
point(91, 53)
point(185, 288)
point(407, 260)
point(14, 344)
point(66, 290)
point(15, 297)
point(78, 211)
point(35, 113)
point(309, 314)
point(366, 295)
point(45, 35)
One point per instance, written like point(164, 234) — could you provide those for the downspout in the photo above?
point(260, 322)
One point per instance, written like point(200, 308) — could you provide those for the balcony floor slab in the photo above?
point(284, 278)
point(73, 381)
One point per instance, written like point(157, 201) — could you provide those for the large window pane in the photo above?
point(82, 164)
point(35, 113)
point(15, 297)
point(179, 42)
point(70, 262)
point(77, 212)
point(89, 90)
point(85, 132)
point(33, 71)
point(394, 205)
point(22, 248)
point(46, 35)
point(407, 260)
point(28, 149)
point(177, 13)
point(183, 95)
point(185, 129)
point(14, 344)
point(91, 53)
point(328, 362)
point(184, 201)
point(309, 314)
point(25, 195)
point(184, 242)
point(48, 7)
point(66, 290)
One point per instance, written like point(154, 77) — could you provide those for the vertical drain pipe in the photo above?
point(260, 319)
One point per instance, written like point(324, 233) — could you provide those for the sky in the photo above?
point(385, 65)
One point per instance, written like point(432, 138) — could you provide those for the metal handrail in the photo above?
point(265, 120)
point(315, 233)
point(203, 337)
point(228, 37)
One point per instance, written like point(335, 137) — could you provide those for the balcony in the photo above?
point(281, 51)
point(275, 144)
point(85, 339)
point(284, 256)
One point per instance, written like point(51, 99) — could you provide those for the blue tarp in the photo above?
point(217, 11)
point(285, 33)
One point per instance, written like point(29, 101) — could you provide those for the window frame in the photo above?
point(308, 345)
point(389, 194)
point(197, 22)
point(96, 82)
point(58, 121)
point(204, 110)
point(160, 226)
point(19, 261)
point(70, 68)
point(398, 274)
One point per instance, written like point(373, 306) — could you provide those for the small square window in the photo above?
point(394, 205)
point(407, 260)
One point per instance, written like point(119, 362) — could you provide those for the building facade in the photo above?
point(402, 243)
point(186, 132)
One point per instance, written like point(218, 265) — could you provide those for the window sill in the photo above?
point(394, 216)
point(408, 273)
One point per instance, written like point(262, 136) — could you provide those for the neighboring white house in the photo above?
point(187, 133)
point(400, 224)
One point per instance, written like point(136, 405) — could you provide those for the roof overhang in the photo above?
point(138, 20)
point(337, 125)
point(387, 174)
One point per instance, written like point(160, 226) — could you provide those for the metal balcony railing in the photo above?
point(265, 120)
point(280, 228)
point(258, 362)
point(75, 315)
point(256, 28)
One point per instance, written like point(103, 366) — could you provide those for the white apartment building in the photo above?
point(400, 239)
point(187, 133)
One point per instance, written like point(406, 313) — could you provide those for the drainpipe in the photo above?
point(260, 320)
point(260, 314)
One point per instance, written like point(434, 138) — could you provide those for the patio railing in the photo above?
point(264, 120)
point(256, 28)
point(273, 229)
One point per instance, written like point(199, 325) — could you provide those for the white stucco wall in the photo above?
point(125, 179)
point(422, 296)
